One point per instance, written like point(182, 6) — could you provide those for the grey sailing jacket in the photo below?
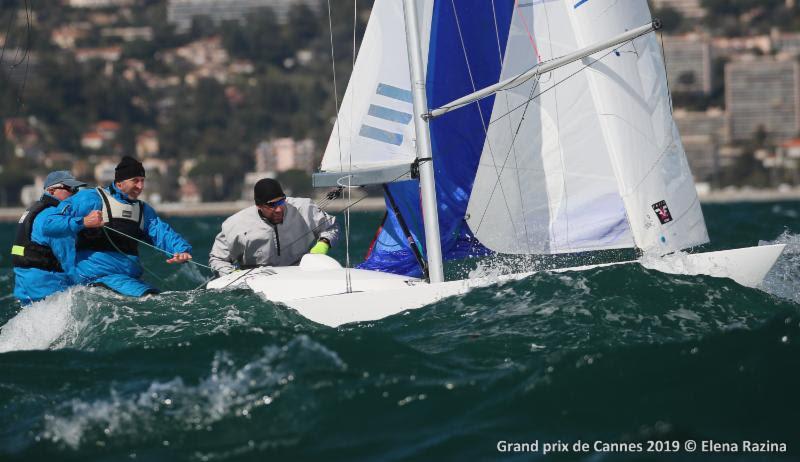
point(248, 240)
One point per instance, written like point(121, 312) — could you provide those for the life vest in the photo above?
point(28, 254)
point(125, 218)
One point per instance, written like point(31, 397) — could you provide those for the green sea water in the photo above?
point(621, 355)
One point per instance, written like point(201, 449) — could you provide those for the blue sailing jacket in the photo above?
point(33, 284)
point(117, 271)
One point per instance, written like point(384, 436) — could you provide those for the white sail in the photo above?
point(632, 97)
point(593, 162)
point(374, 127)
point(545, 183)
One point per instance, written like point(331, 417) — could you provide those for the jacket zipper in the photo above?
point(277, 240)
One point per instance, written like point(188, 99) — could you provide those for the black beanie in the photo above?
point(128, 168)
point(267, 190)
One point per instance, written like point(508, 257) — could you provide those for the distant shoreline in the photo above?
point(376, 204)
point(179, 209)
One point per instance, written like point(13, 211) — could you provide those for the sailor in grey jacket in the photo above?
point(278, 232)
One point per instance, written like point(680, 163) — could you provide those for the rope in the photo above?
point(129, 256)
point(324, 222)
point(148, 245)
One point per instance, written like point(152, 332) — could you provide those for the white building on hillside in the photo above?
point(763, 92)
point(688, 59)
point(181, 12)
point(688, 8)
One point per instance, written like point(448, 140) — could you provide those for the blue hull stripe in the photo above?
point(394, 93)
point(581, 2)
point(389, 114)
point(381, 135)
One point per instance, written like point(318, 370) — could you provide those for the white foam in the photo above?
point(675, 263)
point(784, 278)
point(40, 325)
point(229, 391)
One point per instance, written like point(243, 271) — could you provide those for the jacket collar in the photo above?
point(119, 194)
point(48, 198)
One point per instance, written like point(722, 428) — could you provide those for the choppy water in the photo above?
point(618, 354)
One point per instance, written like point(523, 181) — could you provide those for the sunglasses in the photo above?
point(276, 203)
point(71, 189)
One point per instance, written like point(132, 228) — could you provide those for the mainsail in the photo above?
point(586, 157)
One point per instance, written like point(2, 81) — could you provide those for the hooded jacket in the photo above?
point(248, 240)
point(116, 270)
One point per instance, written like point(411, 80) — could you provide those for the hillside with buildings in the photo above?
point(214, 94)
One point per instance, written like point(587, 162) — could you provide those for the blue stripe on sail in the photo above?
point(457, 138)
point(394, 93)
point(389, 114)
point(581, 2)
point(381, 135)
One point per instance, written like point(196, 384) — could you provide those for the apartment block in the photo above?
point(282, 154)
point(99, 3)
point(788, 43)
point(688, 59)
point(763, 92)
point(181, 12)
point(688, 8)
point(703, 134)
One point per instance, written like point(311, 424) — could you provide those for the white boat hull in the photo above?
point(317, 288)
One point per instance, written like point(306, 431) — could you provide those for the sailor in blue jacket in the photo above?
point(42, 264)
point(109, 257)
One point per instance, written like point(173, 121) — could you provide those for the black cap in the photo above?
point(128, 168)
point(267, 190)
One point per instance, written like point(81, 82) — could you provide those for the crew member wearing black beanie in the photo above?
point(128, 168)
point(267, 190)
point(275, 231)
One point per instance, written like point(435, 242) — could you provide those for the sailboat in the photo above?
point(512, 127)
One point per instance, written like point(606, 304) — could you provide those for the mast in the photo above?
point(430, 212)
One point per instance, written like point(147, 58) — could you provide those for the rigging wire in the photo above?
point(503, 167)
point(19, 58)
point(347, 275)
point(525, 103)
point(335, 87)
point(325, 222)
point(666, 74)
point(513, 135)
point(480, 110)
point(339, 134)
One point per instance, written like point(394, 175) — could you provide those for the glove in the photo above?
point(320, 248)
